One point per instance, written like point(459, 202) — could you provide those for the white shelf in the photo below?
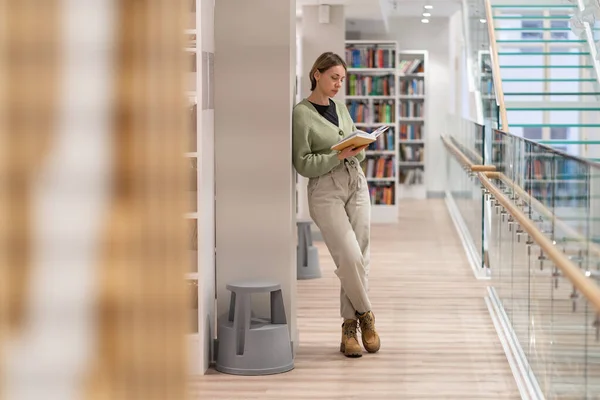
point(374, 124)
point(416, 75)
point(191, 154)
point(370, 97)
point(413, 191)
point(411, 163)
point(391, 179)
point(411, 119)
point(380, 70)
point(409, 141)
point(411, 97)
point(380, 42)
point(389, 213)
point(380, 152)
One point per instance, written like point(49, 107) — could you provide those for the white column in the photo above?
point(205, 43)
point(317, 38)
point(254, 95)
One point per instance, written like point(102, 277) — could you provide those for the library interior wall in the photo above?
point(206, 154)
point(255, 216)
point(454, 48)
point(411, 34)
point(316, 38)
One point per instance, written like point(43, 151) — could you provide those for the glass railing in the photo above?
point(479, 62)
point(555, 326)
point(543, 241)
point(463, 192)
point(587, 149)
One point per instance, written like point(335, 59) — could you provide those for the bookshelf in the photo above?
point(372, 100)
point(412, 94)
point(191, 156)
point(387, 86)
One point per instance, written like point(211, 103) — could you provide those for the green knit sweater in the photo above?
point(313, 136)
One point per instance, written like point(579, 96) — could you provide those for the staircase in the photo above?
point(550, 87)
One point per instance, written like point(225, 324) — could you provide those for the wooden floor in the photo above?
point(438, 340)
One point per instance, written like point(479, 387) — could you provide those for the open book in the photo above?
point(359, 138)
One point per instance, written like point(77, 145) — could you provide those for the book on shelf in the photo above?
point(384, 142)
point(359, 138)
point(408, 67)
point(382, 194)
point(370, 85)
point(411, 153)
point(359, 111)
point(370, 56)
point(384, 111)
point(379, 167)
point(412, 87)
point(412, 176)
point(411, 109)
point(410, 132)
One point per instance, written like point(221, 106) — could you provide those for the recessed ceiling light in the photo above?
point(425, 21)
point(426, 14)
point(482, 20)
point(428, 7)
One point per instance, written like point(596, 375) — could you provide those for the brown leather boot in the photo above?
point(349, 345)
point(369, 335)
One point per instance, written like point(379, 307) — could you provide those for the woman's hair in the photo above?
point(322, 64)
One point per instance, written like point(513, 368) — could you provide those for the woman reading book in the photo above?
point(338, 195)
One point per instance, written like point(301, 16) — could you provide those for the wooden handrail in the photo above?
point(496, 66)
point(580, 281)
point(543, 210)
point(463, 159)
point(487, 172)
point(474, 155)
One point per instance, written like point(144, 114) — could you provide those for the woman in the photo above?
point(338, 195)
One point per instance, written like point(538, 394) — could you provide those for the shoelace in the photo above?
point(368, 323)
point(350, 330)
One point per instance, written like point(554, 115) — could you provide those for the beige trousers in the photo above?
point(340, 206)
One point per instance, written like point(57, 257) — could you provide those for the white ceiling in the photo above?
point(380, 9)
point(368, 9)
point(414, 8)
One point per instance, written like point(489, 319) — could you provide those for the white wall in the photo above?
point(255, 215)
point(411, 34)
point(315, 39)
point(318, 38)
point(206, 214)
point(455, 30)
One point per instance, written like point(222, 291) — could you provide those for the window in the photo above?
point(531, 49)
point(559, 24)
point(532, 133)
point(559, 133)
point(532, 29)
point(534, 32)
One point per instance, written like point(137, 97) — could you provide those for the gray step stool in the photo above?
point(254, 346)
point(307, 254)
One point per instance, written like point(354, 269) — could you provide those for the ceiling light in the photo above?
point(426, 14)
point(428, 7)
point(482, 20)
point(425, 21)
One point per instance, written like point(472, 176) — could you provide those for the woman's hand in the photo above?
point(351, 152)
